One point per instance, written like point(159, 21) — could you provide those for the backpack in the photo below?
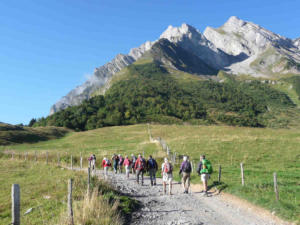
point(107, 162)
point(141, 164)
point(167, 168)
point(94, 157)
point(208, 167)
point(121, 160)
point(152, 163)
point(187, 167)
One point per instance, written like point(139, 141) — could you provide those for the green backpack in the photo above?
point(208, 166)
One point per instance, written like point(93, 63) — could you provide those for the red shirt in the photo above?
point(104, 164)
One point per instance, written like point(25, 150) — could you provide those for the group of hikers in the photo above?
point(139, 166)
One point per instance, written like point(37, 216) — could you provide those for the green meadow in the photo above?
point(263, 151)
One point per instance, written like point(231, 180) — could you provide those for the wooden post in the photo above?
point(12, 155)
point(80, 161)
point(89, 179)
point(58, 159)
point(192, 165)
point(70, 208)
point(275, 186)
point(219, 175)
point(47, 158)
point(26, 154)
point(71, 162)
point(35, 156)
point(15, 204)
point(242, 173)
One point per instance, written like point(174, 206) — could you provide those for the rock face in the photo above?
point(238, 37)
point(297, 43)
point(238, 47)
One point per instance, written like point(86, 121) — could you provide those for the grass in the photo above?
point(10, 134)
point(262, 150)
point(44, 188)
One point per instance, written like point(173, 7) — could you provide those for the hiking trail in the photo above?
point(187, 209)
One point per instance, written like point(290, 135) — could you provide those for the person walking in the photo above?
point(105, 165)
point(127, 165)
point(167, 174)
point(115, 160)
point(133, 160)
point(92, 161)
point(121, 161)
point(152, 168)
point(204, 169)
point(140, 166)
point(185, 170)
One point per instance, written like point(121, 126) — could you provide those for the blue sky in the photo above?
point(49, 47)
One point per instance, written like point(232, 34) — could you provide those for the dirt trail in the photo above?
point(187, 209)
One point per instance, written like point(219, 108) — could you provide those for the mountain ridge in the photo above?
point(234, 47)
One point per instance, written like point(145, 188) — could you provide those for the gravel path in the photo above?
point(179, 208)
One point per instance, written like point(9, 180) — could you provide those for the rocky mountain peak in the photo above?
point(175, 34)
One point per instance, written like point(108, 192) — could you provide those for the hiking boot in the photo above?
point(154, 183)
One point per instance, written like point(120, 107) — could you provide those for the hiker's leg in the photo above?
point(142, 177)
point(188, 179)
point(170, 187)
point(154, 177)
point(164, 187)
point(137, 176)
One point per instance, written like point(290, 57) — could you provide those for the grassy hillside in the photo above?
point(262, 150)
point(149, 92)
point(44, 188)
point(10, 134)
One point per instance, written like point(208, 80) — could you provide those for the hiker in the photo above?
point(92, 161)
point(152, 168)
point(115, 160)
point(140, 166)
point(121, 161)
point(167, 174)
point(133, 160)
point(185, 170)
point(127, 164)
point(106, 164)
point(204, 169)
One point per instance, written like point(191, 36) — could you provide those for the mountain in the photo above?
point(237, 47)
point(266, 53)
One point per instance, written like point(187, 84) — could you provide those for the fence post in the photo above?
point(242, 173)
point(80, 160)
point(47, 158)
point(219, 175)
point(89, 179)
point(71, 162)
point(15, 204)
point(275, 186)
point(70, 208)
point(26, 154)
point(58, 159)
point(12, 155)
point(35, 156)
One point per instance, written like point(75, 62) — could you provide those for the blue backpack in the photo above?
point(152, 163)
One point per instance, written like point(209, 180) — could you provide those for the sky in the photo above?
point(49, 47)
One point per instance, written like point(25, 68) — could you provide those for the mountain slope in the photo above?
point(238, 47)
point(148, 92)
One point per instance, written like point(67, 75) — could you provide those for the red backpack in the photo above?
point(168, 168)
